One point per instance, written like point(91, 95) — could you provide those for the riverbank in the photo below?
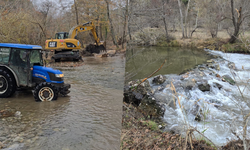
point(200, 39)
point(153, 134)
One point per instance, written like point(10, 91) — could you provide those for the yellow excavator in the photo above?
point(66, 45)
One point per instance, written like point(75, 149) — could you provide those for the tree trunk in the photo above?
point(179, 3)
point(186, 15)
point(125, 25)
point(196, 23)
point(164, 20)
point(111, 25)
point(77, 22)
point(236, 22)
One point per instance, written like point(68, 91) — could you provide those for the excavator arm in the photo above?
point(82, 28)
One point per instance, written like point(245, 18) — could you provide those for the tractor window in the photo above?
point(19, 57)
point(4, 55)
point(35, 58)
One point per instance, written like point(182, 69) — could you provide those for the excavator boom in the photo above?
point(82, 28)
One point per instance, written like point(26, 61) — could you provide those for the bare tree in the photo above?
point(111, 25)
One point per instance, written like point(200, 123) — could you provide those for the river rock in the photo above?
point(204, 87)
point(2, 139)
point(210, 61)
point(231, 65)
point(217, 67)
point(111, 52)
point(228, 79)
point(202, 68)
point(100, 55)
point(215, 102)
point(217, 85)
point(15, 147)
point(134, 93)
point(160, 79)
point(18, 139)
point(140, 96)
point(189, 84)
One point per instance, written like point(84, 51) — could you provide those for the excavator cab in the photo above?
point(62, 35)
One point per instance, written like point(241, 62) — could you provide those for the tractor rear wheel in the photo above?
point(7, 84)
point(45, 92)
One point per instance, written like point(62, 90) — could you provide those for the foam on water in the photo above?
point(221, 108)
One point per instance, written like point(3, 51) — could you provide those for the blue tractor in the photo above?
point(21, 66)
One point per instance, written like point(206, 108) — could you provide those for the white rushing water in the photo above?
point(220, 108)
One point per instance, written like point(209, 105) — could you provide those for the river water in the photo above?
point(220, 108)
point(88, 118)
point(142, 61)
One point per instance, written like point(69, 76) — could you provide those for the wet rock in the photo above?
point(2, 139)
point(111, 52)
point(231, 65)
point(217, 67)
point(204, 87)
point(140, 95)
point(215, 102)
point(189, 84)
point(210, 61)
point(217, 75)
point(159, 79)
point(1, 145)
point(134, 93)
point(15, 147)
point(202, 68)
point(217, 85)
point(150, 107)
point(228, 79)
point(18, 114)
point(6, 113)
point(101, 55)
point(18, 139)
point(197, 112)
point(197, 118)
point(166, 98)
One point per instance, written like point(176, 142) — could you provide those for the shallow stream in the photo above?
point(88, 118)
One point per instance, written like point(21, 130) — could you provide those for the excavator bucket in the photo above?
point(91, 48)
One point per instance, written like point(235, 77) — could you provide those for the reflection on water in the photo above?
point(142, 61)
point(89, 118)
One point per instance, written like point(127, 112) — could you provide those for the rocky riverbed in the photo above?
point(206, 97)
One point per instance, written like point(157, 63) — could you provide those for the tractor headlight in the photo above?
point(59, 75)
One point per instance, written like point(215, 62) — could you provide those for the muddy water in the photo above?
point(143, 61)
point(88, 118)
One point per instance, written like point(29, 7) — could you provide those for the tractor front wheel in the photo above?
point(45, 92)
point(7, 84)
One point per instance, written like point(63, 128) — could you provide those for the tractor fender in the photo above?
point(13, 73)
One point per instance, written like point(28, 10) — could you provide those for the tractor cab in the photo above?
point(62, 35)
point(22, 66)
